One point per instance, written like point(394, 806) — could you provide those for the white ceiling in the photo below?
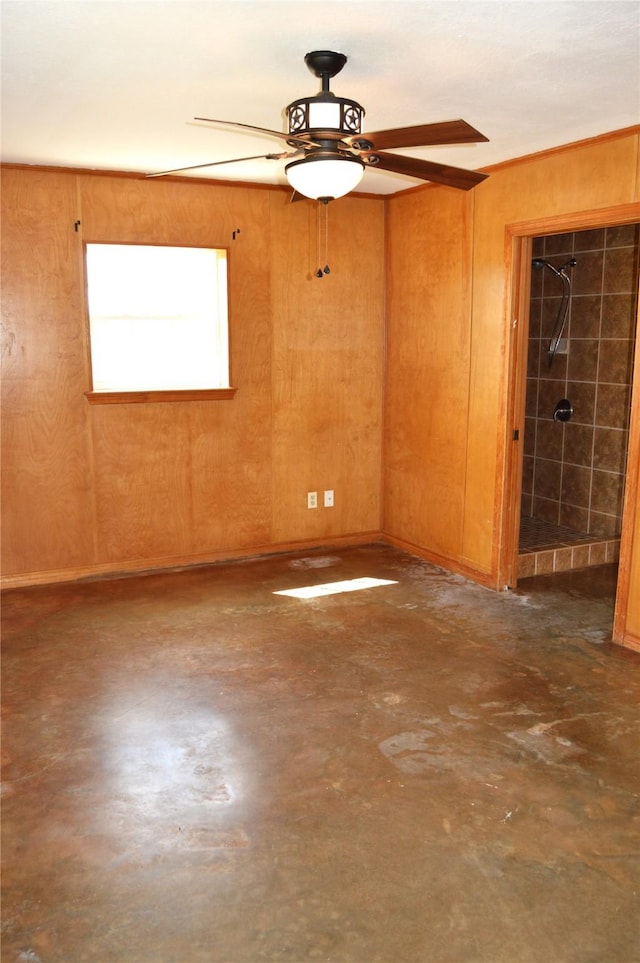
point(113, 84)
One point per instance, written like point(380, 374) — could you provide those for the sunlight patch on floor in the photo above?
point(335, 588)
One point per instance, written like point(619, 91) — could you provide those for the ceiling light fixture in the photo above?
point(326, 172)
point(325, 175)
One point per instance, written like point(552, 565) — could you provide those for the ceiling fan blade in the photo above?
point(424, 135)
point(260, 130)
point(235, 160)
point(426, 170)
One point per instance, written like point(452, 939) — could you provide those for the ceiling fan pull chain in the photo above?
point(326, 269)
point(319, 273)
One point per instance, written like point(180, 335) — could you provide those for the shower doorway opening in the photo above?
point(581, 342)
point(616, 448)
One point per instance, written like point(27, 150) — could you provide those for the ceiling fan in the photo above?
point(328, 153)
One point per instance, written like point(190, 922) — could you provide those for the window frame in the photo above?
point(145, 396)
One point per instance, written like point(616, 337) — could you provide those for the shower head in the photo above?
point(565, 280)
point(539, 262)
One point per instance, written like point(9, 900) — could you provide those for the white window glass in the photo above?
point(158, 317)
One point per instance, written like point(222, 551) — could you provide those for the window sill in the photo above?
point(145, 397)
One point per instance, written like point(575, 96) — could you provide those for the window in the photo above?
point(158, 320)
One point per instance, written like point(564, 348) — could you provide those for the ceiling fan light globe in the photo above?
point(325, 177)
point(324, 115)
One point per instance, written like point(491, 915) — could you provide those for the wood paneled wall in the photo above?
point(47, 497)
point(428, 369)
point(90, 489)
point(328, 349)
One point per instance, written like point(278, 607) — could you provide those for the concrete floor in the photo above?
point(197, 769)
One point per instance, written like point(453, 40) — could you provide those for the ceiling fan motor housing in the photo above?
point(324, 117)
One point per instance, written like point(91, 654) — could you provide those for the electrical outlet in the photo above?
point(328, 498)
point(312, 499)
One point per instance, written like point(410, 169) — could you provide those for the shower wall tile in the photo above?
point(589, 240)
point(549, 394)
point(585, 316)
point(550, 305)
point(531, 403)
point(582, 395)
point(606, 492)
point(622, 235)
point(547, 510)
point(571, 516)
point(546, 478)
point(576, 486)
point(537, 277)
point(558, 370)
point(555, 244)
point(529, 441)
point(613, 406)
point(619, 315)
point(535, 315)
point(615, 363)
point(610, 449)
point(575, 471)
point(550, 439)
point(587, 276)
point(578, 444)
point(583, 360)
point(603, 526)
point(527, 504)
point(619, 266)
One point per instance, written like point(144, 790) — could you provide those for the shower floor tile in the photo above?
point(538, 536)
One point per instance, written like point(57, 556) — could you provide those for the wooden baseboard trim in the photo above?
point(629, 641)
point(177, 563)
point(450, 565)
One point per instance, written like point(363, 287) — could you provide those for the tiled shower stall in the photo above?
point(574, 471)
